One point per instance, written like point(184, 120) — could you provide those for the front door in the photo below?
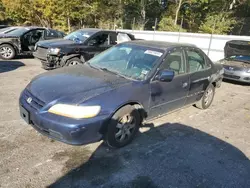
point(168, 96)
point(97, 44)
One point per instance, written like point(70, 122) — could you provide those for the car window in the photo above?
point(122, 37)
point(175, 61)
point(49, 33)
point(196, 61)
point(101, 39)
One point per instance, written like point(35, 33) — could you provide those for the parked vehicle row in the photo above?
point(22, 40)
point(77, 47)
point(109, 96)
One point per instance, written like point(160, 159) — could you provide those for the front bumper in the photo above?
point(48, 61)
point(67, 130)
point(237, 75)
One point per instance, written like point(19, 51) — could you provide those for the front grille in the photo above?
point(42, 51)
point(35, 103)
point(231, 76)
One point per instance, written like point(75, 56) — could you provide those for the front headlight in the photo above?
point(76, 112)
point(54, 51)
point(248, 71)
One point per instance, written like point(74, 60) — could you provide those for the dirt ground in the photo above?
point(188, 148)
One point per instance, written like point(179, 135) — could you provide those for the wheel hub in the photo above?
point(125, 128)
point(208, 96)
point(6, 52)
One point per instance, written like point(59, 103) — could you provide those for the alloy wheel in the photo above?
point(125, 128)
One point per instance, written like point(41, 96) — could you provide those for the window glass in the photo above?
point(122, 37)
point(175, 62)
point(51, 33)
point(131, 61)
point(100, 40)
point(196, 61)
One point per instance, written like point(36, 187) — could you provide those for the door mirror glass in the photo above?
point(165, 75)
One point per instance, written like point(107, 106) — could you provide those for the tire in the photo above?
point(117, 132)
point(73, 61)
point(207, 98)
point(7, 52)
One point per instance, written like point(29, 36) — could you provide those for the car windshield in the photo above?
point(127, 60)
point(18, 31)
point(79, 35)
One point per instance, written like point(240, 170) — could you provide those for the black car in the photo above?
point(77, 47)
point(22, 40)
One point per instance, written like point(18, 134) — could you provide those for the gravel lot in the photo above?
point(188, 148)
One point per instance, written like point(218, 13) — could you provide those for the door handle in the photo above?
point(184, 85)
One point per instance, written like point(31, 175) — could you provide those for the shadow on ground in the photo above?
point(6, 66)
point(171, 155)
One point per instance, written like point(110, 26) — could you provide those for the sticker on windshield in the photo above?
point(154, 53)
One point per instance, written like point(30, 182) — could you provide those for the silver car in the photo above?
point(237, 68)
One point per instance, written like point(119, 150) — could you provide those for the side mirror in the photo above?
point(165, 75)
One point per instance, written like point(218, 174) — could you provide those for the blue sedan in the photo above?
point(111, 95)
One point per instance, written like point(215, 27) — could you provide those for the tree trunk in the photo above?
point(143, 14)
point(69, 26)
point(177, 12)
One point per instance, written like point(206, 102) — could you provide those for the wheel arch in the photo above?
point(12, 45)
point(136, 104)
point(70, 56)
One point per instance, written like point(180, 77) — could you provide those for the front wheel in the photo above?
point(207, 98)
point(123, 127)
point(7, 52)
point(73, 61)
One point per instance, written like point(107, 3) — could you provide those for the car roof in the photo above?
point(159, 44)
point(97, 30)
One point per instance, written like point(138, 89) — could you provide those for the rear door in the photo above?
point(200, 73)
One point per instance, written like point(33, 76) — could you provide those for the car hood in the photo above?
point(55, 43)
point(74, 84)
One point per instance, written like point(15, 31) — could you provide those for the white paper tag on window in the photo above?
point(154, 53)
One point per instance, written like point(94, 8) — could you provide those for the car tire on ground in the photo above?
point(7, 52)
point(123, 127)
point(73, 61)
point(207, 98)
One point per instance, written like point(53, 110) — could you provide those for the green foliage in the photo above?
point(196, 15)
point(167, 24)
point(220, 23)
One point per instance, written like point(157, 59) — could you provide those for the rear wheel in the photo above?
point(123, 127)
point(207, 98)
point(73, 61)
point(7, 51)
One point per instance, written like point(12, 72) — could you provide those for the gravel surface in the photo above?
point(187, 148)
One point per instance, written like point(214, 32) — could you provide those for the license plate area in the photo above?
point(25, 114)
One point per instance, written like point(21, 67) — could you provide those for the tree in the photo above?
point(220, 23)
point(168, 24)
